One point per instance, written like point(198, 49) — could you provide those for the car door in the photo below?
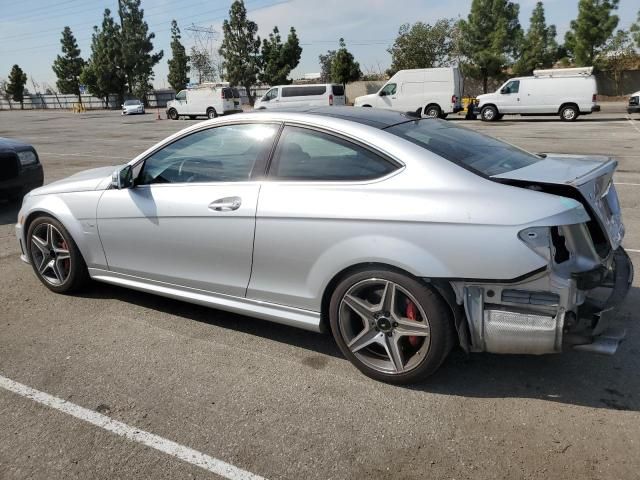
point(189, 220)
point(387, 96)
point(305, 217)
point(509, 100)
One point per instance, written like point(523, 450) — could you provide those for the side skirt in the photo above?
point(295, 317)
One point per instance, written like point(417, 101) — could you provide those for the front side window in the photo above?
point(271, 94)
point(389, 89)
point(222, 154)
point(182, 95)
point(308, 155)
point(472, 150)
point(512, 87)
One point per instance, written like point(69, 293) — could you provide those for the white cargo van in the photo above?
point(208, 100)
point(434, 92)
point(568, 92)
point(320, 95)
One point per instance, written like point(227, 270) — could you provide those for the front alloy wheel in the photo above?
point(390, 326)
point(50, 254)
point(54, 256)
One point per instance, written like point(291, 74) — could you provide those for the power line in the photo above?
point(86, 38)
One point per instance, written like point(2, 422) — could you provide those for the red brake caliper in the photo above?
point(412, 314)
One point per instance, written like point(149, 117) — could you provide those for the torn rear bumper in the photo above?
point(548, 311)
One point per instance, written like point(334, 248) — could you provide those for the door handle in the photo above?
point(226, 204)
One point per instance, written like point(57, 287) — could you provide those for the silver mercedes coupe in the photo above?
point(402, 236)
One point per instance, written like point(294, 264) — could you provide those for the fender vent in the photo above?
point(530, 298)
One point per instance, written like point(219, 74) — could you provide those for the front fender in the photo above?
point(77, 212)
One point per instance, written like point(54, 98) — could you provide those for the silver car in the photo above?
point(130, 107)
point(402, 236)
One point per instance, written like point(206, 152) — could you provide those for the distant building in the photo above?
point(311, 76)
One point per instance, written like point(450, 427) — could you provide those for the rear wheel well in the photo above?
point(569, 104)
point(441, 288)
point(431, 105)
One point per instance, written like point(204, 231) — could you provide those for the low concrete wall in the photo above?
point(356, 89)
point(157, 99)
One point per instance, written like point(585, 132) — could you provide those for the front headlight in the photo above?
point(27, 158)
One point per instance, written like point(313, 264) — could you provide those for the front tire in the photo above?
point(173, 114)
point(489, 113)
point(55, 257)
point(390, 326)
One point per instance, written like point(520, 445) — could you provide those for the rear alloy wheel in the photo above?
point(569, 113)
point(432, 111)
point(211, 113)
point(489, 113)
point(173, 114)
point(390, 326)
point(54, 256)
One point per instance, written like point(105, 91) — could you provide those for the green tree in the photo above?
point(635, 31)
point(179, 61)
point(240, 48)
point(103, 72)
point(539, 48)
point(202, 63)
point(344, 68)
point(68, 66)
point(490, 37)
point(279, 59)
point(15, 86)
point(617, 56)
point(591, 30)
point(325, 65)
point(136, 43)
point(422, 45)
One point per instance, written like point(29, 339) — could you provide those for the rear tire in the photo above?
point(433, 111)
point(423, 336)
point(489, 113)
point(569, 113)
point(173, 114)
point(55, 257)
point(211, 112)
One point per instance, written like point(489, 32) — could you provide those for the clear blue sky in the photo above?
point(30, 29)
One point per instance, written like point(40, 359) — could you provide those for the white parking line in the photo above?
point(631, 250)
point(624, 183)
point(185, 454)
point(633, 124)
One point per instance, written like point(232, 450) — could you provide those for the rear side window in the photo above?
point(308, 155)
point(304, 91)
point(227, 93)
point(471, 150)
point(338, 90)
point(236, 93)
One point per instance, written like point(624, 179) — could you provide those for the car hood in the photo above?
point(11, 145)
point(94, 179)
point(365, 98)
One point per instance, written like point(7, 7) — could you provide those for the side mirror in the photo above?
point(504, 90)
point(383, 93)
point(122, 178)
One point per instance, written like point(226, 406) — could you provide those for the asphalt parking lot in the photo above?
point(281, 402)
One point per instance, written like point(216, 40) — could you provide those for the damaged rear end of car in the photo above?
point(568, 303)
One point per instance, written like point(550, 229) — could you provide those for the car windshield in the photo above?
point(471, 150)
point(132, 102)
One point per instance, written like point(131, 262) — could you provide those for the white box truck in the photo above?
point(432, 92)
point(208, 100)
point(567, 92)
